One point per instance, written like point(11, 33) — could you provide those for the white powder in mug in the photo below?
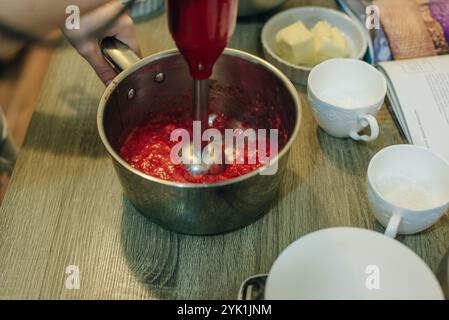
point(406, 193)
point(341, 99)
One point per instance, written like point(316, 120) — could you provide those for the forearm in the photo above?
point(41, 16)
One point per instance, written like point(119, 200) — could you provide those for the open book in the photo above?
point(419, 97)
point(411, 48)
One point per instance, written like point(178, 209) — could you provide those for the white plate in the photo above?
point(338, 263)
point(352, 31)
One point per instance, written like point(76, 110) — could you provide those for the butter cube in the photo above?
point(322, 32)
point(340, 44)
point(322, 29)
point(329, 42)
point(295, 44)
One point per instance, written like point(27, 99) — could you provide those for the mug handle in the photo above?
point(393, 226)
point(366, 120)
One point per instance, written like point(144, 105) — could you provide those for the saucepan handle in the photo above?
point(118, 54)
point(253, 288)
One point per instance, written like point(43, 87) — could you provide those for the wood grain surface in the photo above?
point(65, 204)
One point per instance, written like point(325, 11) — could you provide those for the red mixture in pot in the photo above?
point(148, 147)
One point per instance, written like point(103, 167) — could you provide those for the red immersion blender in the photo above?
point(201, 30)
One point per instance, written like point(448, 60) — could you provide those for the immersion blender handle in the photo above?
point(118, 54)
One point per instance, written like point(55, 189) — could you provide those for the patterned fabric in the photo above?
point(409, 28)
point(440, 12)
point(405, 28)
point(435, 29)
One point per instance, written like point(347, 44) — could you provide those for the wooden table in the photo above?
point(65, 204)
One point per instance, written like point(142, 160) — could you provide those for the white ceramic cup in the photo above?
point(345, 95)
point(408, 188)
point(350, 263)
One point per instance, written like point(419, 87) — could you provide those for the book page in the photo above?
point(420, 92)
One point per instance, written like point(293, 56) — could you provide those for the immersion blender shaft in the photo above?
point(201, 102)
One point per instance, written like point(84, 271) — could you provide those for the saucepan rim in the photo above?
point(172, 52)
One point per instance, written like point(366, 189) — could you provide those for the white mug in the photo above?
point(345, 95)
point(408, 188)
point(347, 263)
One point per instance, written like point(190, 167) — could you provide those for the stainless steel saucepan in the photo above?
point(162, 81)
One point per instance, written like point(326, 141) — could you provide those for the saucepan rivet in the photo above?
point(131, 94)
point(159, 77)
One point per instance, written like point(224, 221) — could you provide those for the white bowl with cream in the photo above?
point(408, 188)
point(345, 95)
point(352, 31)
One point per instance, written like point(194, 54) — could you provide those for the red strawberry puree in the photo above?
point(148, 147)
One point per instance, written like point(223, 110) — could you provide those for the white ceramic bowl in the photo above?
point(352, 31)
point(350, 263)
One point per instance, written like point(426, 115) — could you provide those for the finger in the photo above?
point(92, 53)
point(130, 42)
point(126, 32)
